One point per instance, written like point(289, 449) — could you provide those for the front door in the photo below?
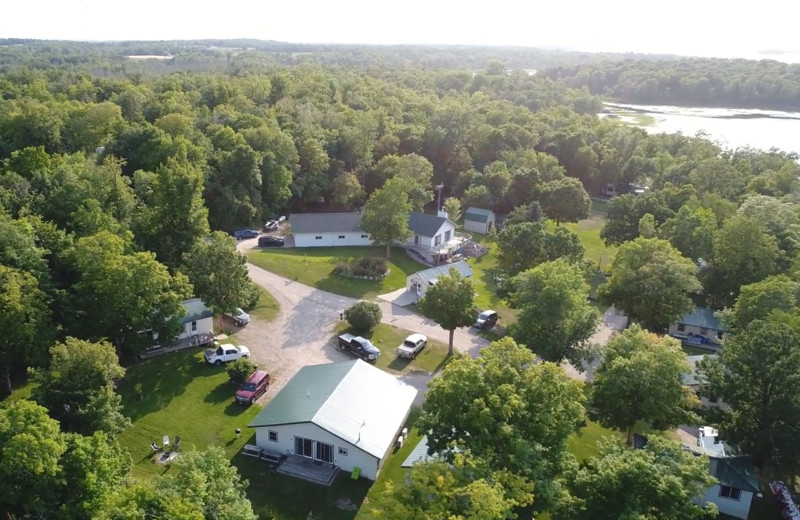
point(324, 452)
point(304, 447)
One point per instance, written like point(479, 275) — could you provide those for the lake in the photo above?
point(731, 127)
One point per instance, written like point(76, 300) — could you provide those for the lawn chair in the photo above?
point(154, 446)
point(177, 443)
point(166, 442)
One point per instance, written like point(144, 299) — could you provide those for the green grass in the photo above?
point(599, 206)
point(691, 350)
point(483, 269)
point(588, 232)
point(180, 395)
point(314, 266)
point(387, 338)
point(267, 308)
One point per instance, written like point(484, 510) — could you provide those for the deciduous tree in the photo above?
point(564, 200)
point(555, 317)
point(386, 213)
point(659, 482)
point(649, 282)
point(450, 303)
point(508, 409)
point(639, 379)
point(757, 375)
point(453, 208)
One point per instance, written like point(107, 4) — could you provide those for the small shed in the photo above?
point(420, 281)
point(479, 220)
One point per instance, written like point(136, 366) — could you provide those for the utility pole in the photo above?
point(438, 189)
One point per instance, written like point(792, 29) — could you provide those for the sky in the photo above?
point(688, 27)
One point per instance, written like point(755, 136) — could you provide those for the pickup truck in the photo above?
point(412, 346)
point(358, 346)
point(224, 353)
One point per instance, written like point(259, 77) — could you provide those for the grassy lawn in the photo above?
point(267, 308)
point(588, 232)
point(482, 278)
point(314, 266)
point(180, 395)
point(599, 206)
point(691, 350)
point(387, 337)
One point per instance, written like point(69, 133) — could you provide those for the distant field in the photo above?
point(588, 232)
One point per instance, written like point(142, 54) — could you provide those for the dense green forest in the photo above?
point(703, 82)
point(114, 172)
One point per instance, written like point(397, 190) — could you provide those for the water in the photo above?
point(730, 127)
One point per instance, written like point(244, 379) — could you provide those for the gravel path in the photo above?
point(303, 332)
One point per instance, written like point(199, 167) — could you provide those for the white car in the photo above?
point(238, 316)
point(224, 353)
point(412, 346)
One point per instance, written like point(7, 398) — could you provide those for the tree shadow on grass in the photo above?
point(235, 409)
point(221, 393)
point(151, 385)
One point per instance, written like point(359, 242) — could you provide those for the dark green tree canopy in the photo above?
point(450, 303)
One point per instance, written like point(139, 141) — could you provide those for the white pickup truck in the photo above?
point(224, 353)
point(412, 346)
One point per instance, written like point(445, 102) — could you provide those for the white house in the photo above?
point(479, 220)
point(699, 327)
point(737, 484)
point(419, 282)
point(348, 414)
point(199, 319)
point(432, 236)
point(327, 229)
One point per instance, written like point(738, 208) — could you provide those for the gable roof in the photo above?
point(424, 224)
point(478, 214)
point(429, 276)
point(702, 317)
point(324, 222)
point(735, 472)
point(195, 310)
point(353, 400)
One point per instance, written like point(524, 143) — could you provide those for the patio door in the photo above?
point(304, 447)
point(324, 452)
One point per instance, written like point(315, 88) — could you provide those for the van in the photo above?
point(253, 388)
point(486, 320)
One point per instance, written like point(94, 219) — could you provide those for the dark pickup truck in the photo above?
point(358, 346)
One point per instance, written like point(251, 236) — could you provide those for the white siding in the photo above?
point(411, 280)
point(286, 434)
point(431, 241)
point(331, 239)
point(204, 326)
point(735, 508)
point(694, 331)
point(475, 227)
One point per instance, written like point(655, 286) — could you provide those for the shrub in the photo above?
point(363, 316)
point(240, 370)
point(373, 267)
point(343, 269)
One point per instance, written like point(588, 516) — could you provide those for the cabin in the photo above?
point(699, 328)
point(418, 283)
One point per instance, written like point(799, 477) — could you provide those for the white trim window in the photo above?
point(272, 435)
point(342, 451)
point(731, 493)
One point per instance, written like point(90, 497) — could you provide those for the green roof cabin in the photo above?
point(479, 220)
point(699, 328)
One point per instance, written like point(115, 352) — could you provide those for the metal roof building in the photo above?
point(347, 414)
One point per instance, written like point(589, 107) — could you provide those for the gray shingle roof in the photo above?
point(195, 310)
point(353, 400)
point(702, 317)
point(430, 275)
point(324, 222)
point(735, 472)
point(477, 214)
point(425, 225)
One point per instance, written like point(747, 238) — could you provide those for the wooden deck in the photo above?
point(310, 470)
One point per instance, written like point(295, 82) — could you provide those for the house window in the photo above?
point(447, 236)
point(703, 331)
point(719, 334)
point(273, 435)
point(318, 237)
point(341, 236)
point(194, 326)
point(364, 236)
point(730, 492)
point(342, 451)
point(437, 240)
point(681, 327)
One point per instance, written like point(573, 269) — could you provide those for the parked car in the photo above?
point(358, 346)
point(224, 353)
point(412, 346)
point(238, 316)
point(486, 320)
point(269, 241)
point(240, 234)
point(253, 388)
point(271, 225)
